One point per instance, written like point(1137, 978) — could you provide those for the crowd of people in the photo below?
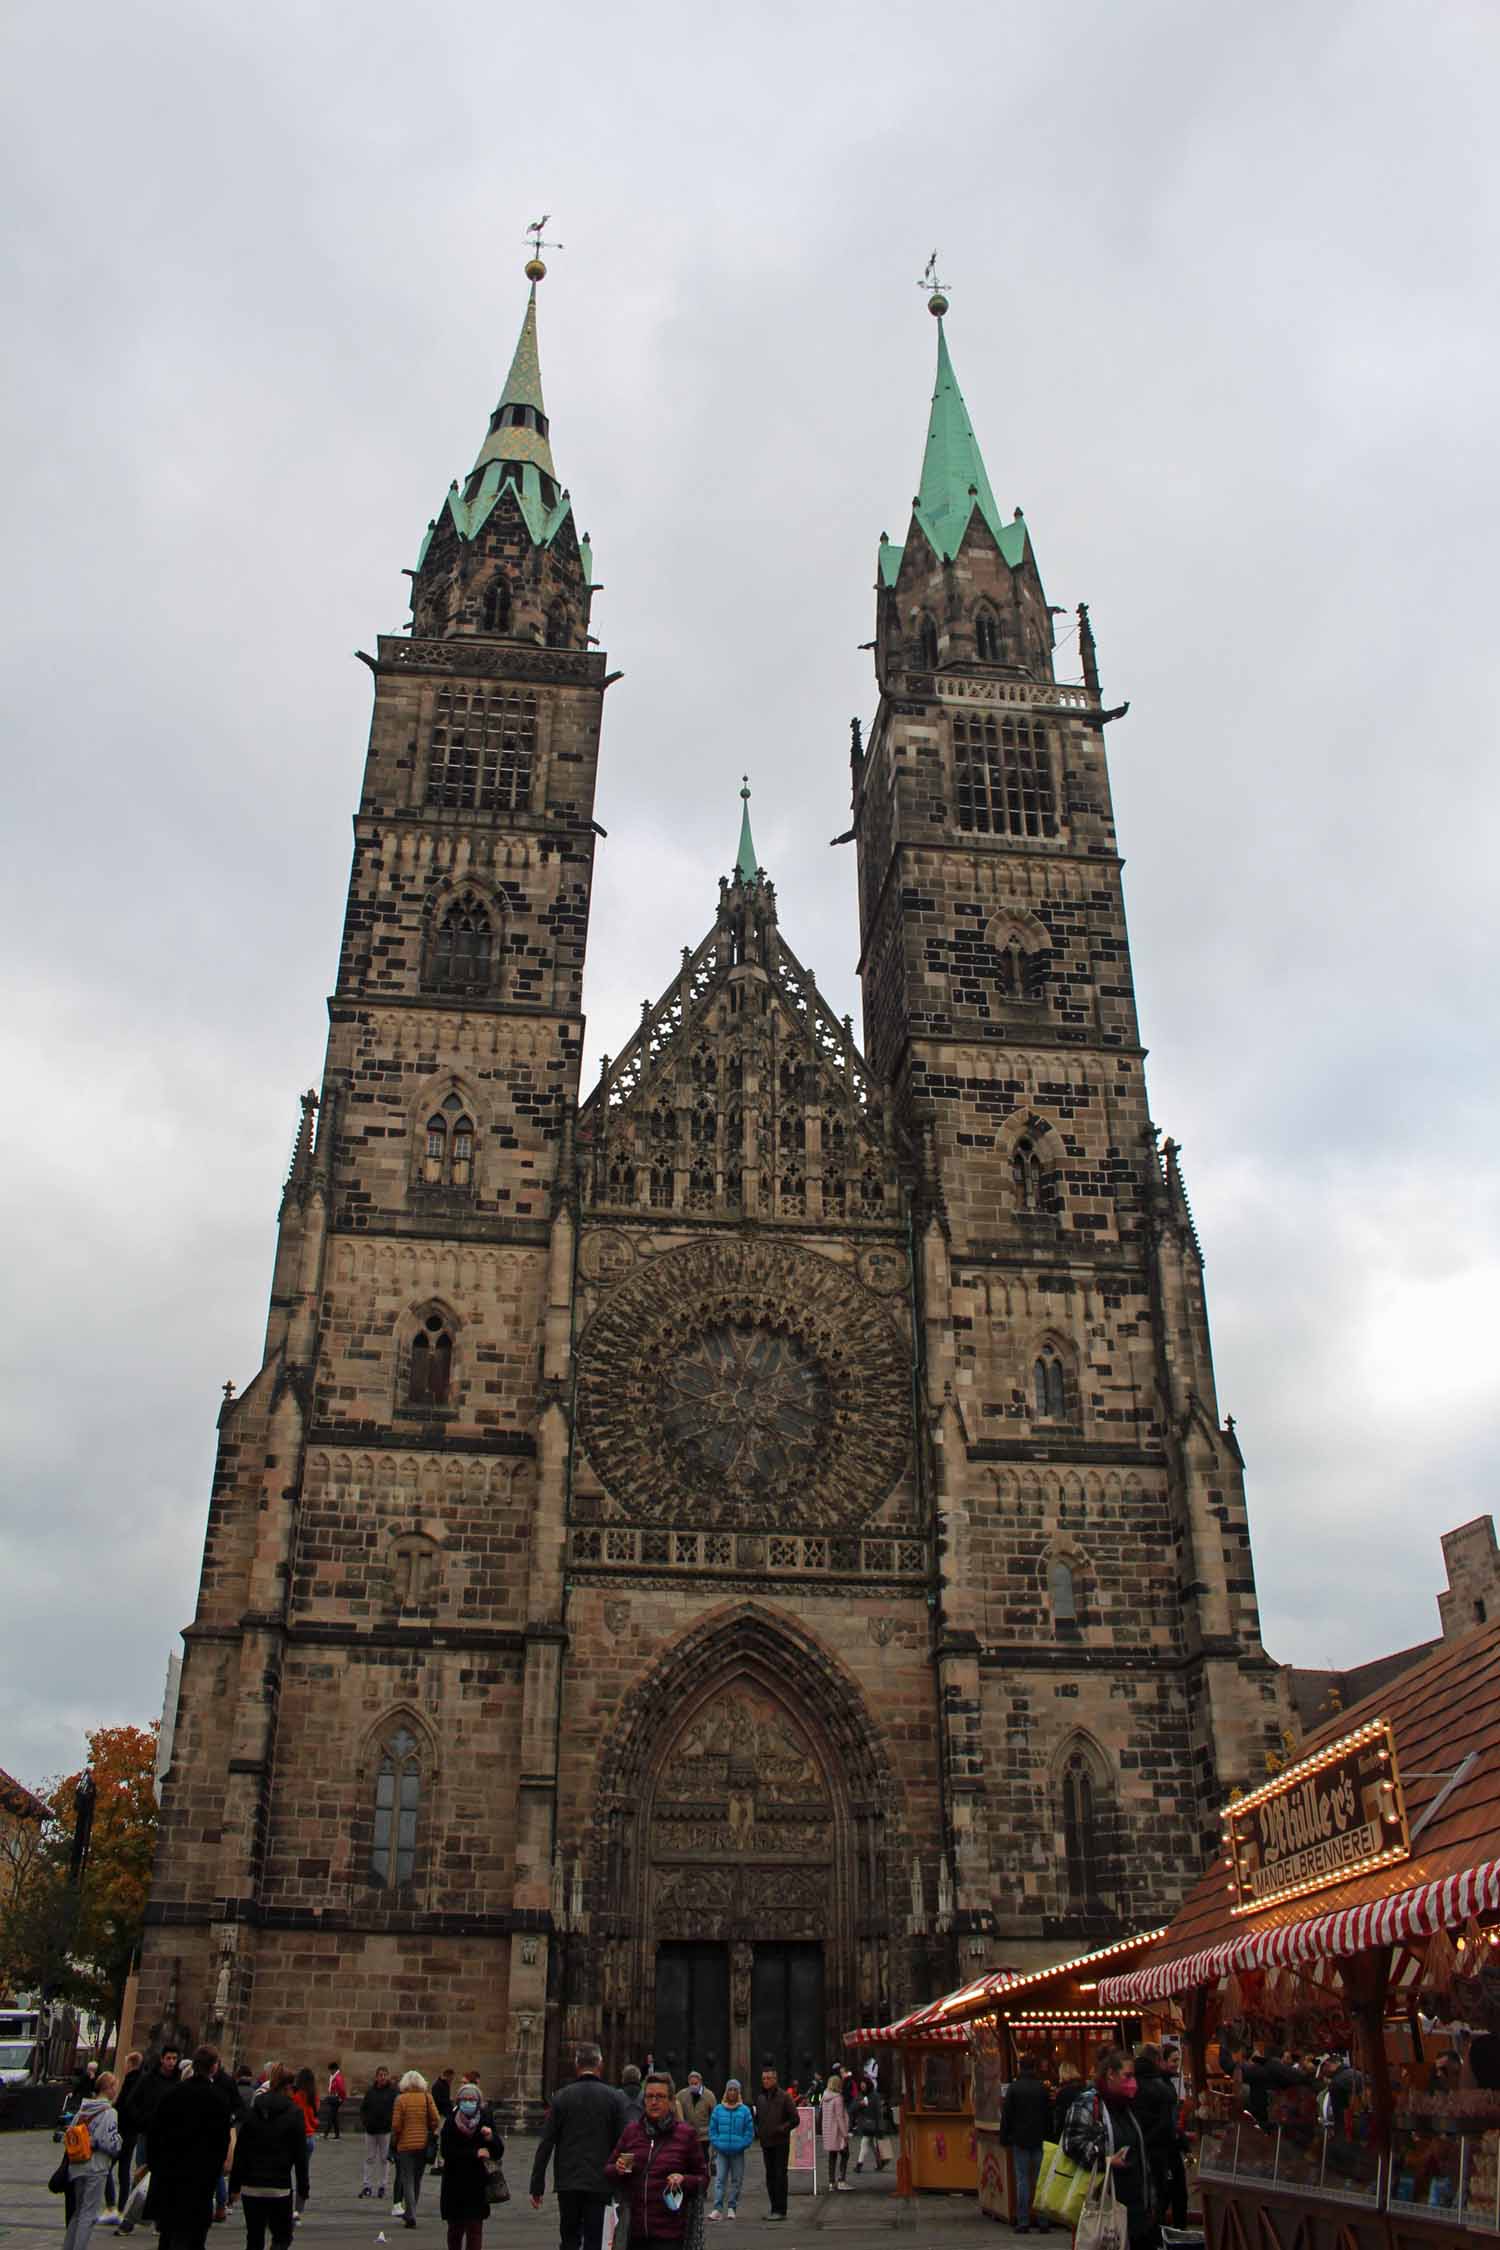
point(178, 2141)
point(1130, 2116)
point(1133, 2114)
point(662, 2160)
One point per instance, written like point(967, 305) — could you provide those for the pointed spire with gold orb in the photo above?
point(517, 450)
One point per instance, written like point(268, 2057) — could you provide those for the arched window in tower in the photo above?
point(463, 949)
point(1081, 1831)
point(927, 644)
point(1026, 1175)
point(448, 1146)
point(701, 1186)
point(661, 1187)
point(497, 605)
point(1064, 1594)
point(431, 1364)
point(398, 1799)
point(1049, 1387)
point(793, 1196)
point(986, 637)
point(1020, 974)
point(557, 626)
point(414, 1570)
point(872, 1192)
point(793, 1129)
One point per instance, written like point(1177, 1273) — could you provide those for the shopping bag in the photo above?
point(1061, 2185)
point(1102, 2223)
point(135, 2202)
point(885, 2149)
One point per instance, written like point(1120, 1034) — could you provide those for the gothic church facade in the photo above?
point(710, 1560)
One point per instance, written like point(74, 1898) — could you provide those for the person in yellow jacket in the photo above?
point(414, 2120)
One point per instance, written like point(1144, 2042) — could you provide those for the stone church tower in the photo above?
point(709, 1562)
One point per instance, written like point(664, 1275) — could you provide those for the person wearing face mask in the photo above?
point(659, 2164)
point(466, 2142)
point(695, 2106)
point(1103, 2128)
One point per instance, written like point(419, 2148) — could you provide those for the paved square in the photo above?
point(337, 2220)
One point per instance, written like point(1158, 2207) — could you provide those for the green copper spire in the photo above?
point(954, 479)
point(516, 452)
point(746, 864)
point(515, 433)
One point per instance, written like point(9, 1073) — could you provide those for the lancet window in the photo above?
point(398, 1798)
point(463, 948)
point(1026, 1175)
point(448, 1146)
point(431, 1369)
point(1049, 1387)
point(1081, 1839)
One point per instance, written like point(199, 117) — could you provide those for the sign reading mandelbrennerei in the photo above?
point(1335, 1814)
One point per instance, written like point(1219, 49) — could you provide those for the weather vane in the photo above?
point(937, 303)
point(535, 269)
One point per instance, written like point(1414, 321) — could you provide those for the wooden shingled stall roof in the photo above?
point(19, 1801)
point(1438, 1712)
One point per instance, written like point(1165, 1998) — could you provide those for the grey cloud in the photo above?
point(1223, 314)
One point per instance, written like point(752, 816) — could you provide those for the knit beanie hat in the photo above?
point(466, 2089)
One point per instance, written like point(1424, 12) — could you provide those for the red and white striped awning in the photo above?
point(909, 2028)
point(1355, 1929)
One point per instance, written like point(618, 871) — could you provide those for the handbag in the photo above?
point(1062, 2186)
point(1102, 2223)
point(496, 2186)
point(58, 2184)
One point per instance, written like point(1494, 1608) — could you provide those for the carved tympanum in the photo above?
point(743, 1383)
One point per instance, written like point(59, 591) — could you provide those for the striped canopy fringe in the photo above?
point(1356, 1929)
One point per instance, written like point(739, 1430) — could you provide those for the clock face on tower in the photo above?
point(735, 1383)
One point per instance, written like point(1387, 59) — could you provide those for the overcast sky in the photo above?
point(1224, 309)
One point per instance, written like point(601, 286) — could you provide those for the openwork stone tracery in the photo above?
point(743, 1382)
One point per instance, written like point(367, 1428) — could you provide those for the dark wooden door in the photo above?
point(692, 2012)
point(786, 2011)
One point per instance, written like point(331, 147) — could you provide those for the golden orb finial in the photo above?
point(535, 270)
point(937, 303)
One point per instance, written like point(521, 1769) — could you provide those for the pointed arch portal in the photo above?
point(745, 1857)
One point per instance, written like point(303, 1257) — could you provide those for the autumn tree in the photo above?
point(77, 1940)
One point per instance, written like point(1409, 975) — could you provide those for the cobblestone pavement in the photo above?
point(337, 2220)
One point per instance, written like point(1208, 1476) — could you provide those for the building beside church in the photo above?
point(709, 1559)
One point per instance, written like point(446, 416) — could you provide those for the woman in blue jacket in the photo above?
point(731, 2129)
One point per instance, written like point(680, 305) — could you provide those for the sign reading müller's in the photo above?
point(1337, 1813)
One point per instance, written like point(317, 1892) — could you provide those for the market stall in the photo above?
point(931, 2088)
point(1053, 2013)
point(1354, 1911)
